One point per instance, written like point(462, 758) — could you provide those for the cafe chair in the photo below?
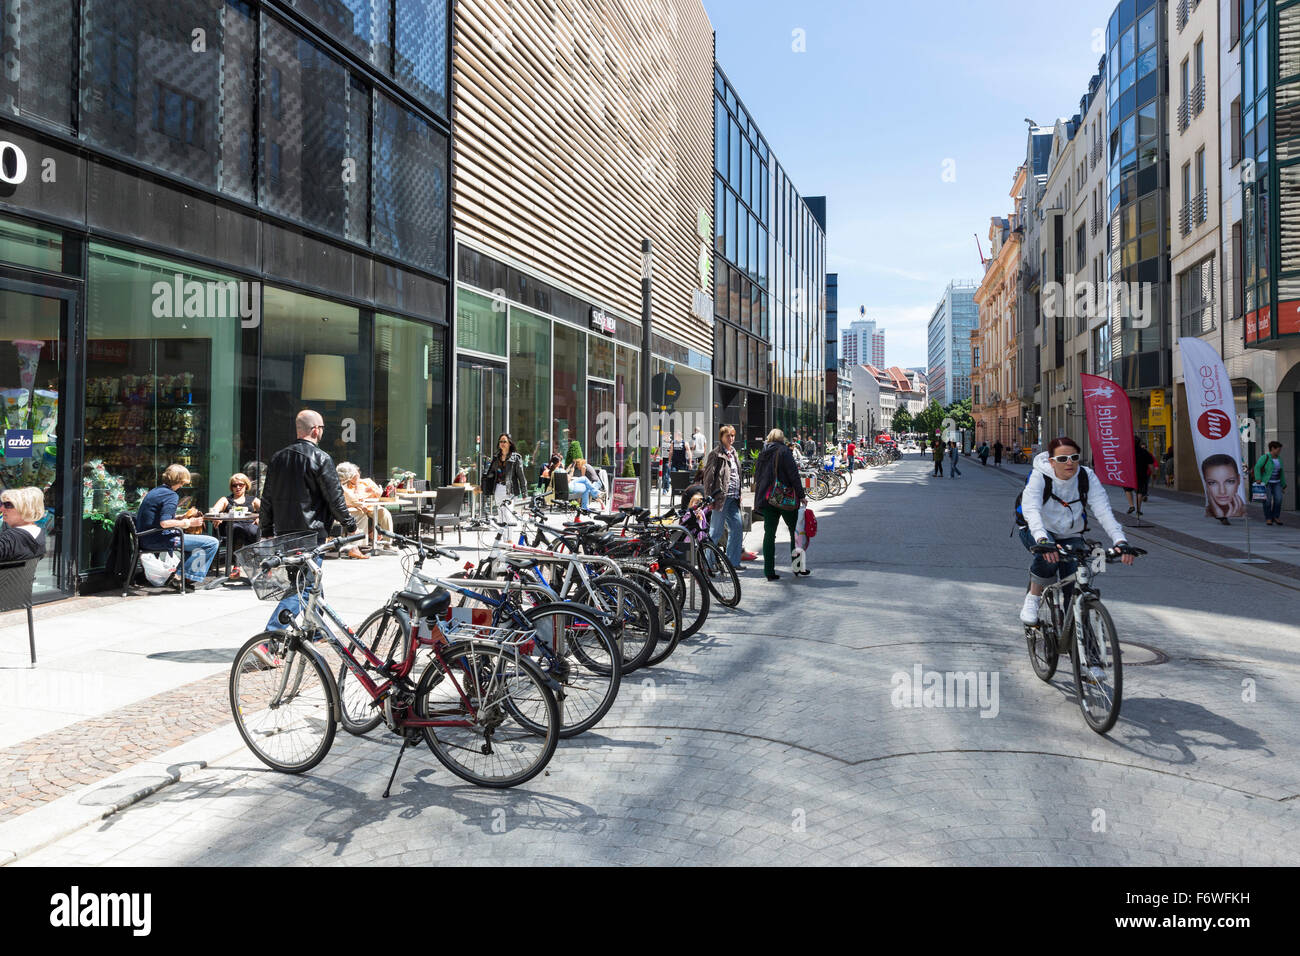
point(447, 504)
point(126, 551)
point(17, 579)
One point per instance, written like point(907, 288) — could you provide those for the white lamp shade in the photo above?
point(323, 379)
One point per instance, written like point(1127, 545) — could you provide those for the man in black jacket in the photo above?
point(302, 494)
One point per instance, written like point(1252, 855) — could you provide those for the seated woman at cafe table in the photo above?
point(584, 481)
point(21, 538)
point(157, 524)
point(355, 491)
point(240, 501)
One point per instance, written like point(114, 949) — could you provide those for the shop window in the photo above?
point(600, 357)
point(31, 246)
point(409, 372)
point(480, 323)
point(162, 386)
point(530, 384)
point(569, 387)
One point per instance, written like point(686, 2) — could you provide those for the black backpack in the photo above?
point(1048, 496)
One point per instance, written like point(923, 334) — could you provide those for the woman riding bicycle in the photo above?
point(1057, 520)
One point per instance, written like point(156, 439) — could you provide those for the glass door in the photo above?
point(480, 414)
point(34, 405)
point(602, 435)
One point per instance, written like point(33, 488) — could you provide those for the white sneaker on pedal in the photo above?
point(1029, 610)
point(1095, 674)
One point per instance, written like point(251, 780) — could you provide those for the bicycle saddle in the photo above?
point(426, 605)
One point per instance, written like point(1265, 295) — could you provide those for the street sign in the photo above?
point(665, 390)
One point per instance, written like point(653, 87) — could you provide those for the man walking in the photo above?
point(997, 453)
point(936, 450)
point(849, 451)
point(722, 484)
point(953, 470)
point(302, 494)
point(699, 446)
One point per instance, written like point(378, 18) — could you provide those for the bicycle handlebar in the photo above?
point(426, 550)
point(290, 560)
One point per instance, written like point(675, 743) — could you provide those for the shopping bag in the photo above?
point(158, 566)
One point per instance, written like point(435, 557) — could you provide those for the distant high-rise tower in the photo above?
point(862, 342)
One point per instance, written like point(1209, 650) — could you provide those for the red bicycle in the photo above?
point(484, 709)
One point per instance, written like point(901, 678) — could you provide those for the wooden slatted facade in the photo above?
point(582, 127)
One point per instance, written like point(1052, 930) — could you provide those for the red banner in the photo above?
point(1110, 429)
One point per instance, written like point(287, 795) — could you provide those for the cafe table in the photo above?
point(230, 521)
point(372, 533)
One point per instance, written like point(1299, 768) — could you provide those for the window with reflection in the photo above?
point(361, 25)
point(145, 92)
point(420, 54)
point(410, 187)
point(36, 82)
point(409, 364)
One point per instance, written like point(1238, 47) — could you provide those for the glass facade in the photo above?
point(1270, 148)
point(1138, 184)
point(234, 98)
point(769, 270)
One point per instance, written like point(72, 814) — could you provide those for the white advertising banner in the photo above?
point(1213, 420)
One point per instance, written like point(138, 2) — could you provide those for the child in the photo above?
point(804, 529)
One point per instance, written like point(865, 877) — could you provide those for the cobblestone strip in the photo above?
point(42, 769)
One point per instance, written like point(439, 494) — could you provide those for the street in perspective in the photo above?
point(607, 433)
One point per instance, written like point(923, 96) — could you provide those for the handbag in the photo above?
point(782, 497)
point(1258, 492)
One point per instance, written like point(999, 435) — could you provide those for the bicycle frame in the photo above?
point(1087, 568)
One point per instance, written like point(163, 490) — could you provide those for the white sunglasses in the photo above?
point(1064, 458)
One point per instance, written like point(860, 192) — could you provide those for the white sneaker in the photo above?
point(1029, 610)
point(1097, 674)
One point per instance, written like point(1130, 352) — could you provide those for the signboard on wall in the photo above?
point(602, 321)
point(624, 493)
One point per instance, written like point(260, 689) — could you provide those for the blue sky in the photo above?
point(882, 96)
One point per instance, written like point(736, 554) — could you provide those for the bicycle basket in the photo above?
point(274, 584)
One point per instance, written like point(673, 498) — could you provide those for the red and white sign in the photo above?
point(1213, 415)
point(1110, 429)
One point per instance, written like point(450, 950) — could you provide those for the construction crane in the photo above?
point(983, 261)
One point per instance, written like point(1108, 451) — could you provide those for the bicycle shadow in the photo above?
point(1171, 731)
point(347, 811)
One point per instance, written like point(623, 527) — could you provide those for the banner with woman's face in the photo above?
point(1213, 420)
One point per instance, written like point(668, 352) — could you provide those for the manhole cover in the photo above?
point(115, 793)
point(1136, 655)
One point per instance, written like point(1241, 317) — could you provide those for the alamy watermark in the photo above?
point(1133, 302)
point(936, 689)
point(214, 299)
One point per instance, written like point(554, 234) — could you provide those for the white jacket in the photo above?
point(1063, 516)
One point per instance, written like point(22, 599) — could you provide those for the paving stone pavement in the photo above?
point(787, 732)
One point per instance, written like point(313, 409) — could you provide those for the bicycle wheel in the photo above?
point(587, 668)
point(1041, 640)
point(841, 484)
point(484, 742)
point(1098, 672)
point(382, 633)
point(670, 612)
point(692, 594)
point(819, 488)
point(284, 710)
point(719, 574)
point(629, 615)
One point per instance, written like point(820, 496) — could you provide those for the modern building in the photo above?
point(863, 341)
point(769, 274)
point(578, 137)
point(1139, 206)
point(995, 403)
point(832, 356)
point(213, 215)
point(948, 374)
point(1029, 293)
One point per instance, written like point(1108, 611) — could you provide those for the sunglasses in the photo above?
point(1064, 458)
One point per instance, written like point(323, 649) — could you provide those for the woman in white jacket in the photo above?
point(1062, 518)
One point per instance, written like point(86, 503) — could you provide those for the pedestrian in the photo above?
point(953, 470)
point(1143, 464)
point(1270, 473)
point(302, 495)
point(983, 452)
point(849, 452)
point(21, 538)
point(810, 448)
point(1167, 466)
point(504, 476)
point(722, 483)
point(699, 447)
point(157, 522)
point(936, 450)
point(778, 493)
point(997, 453)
